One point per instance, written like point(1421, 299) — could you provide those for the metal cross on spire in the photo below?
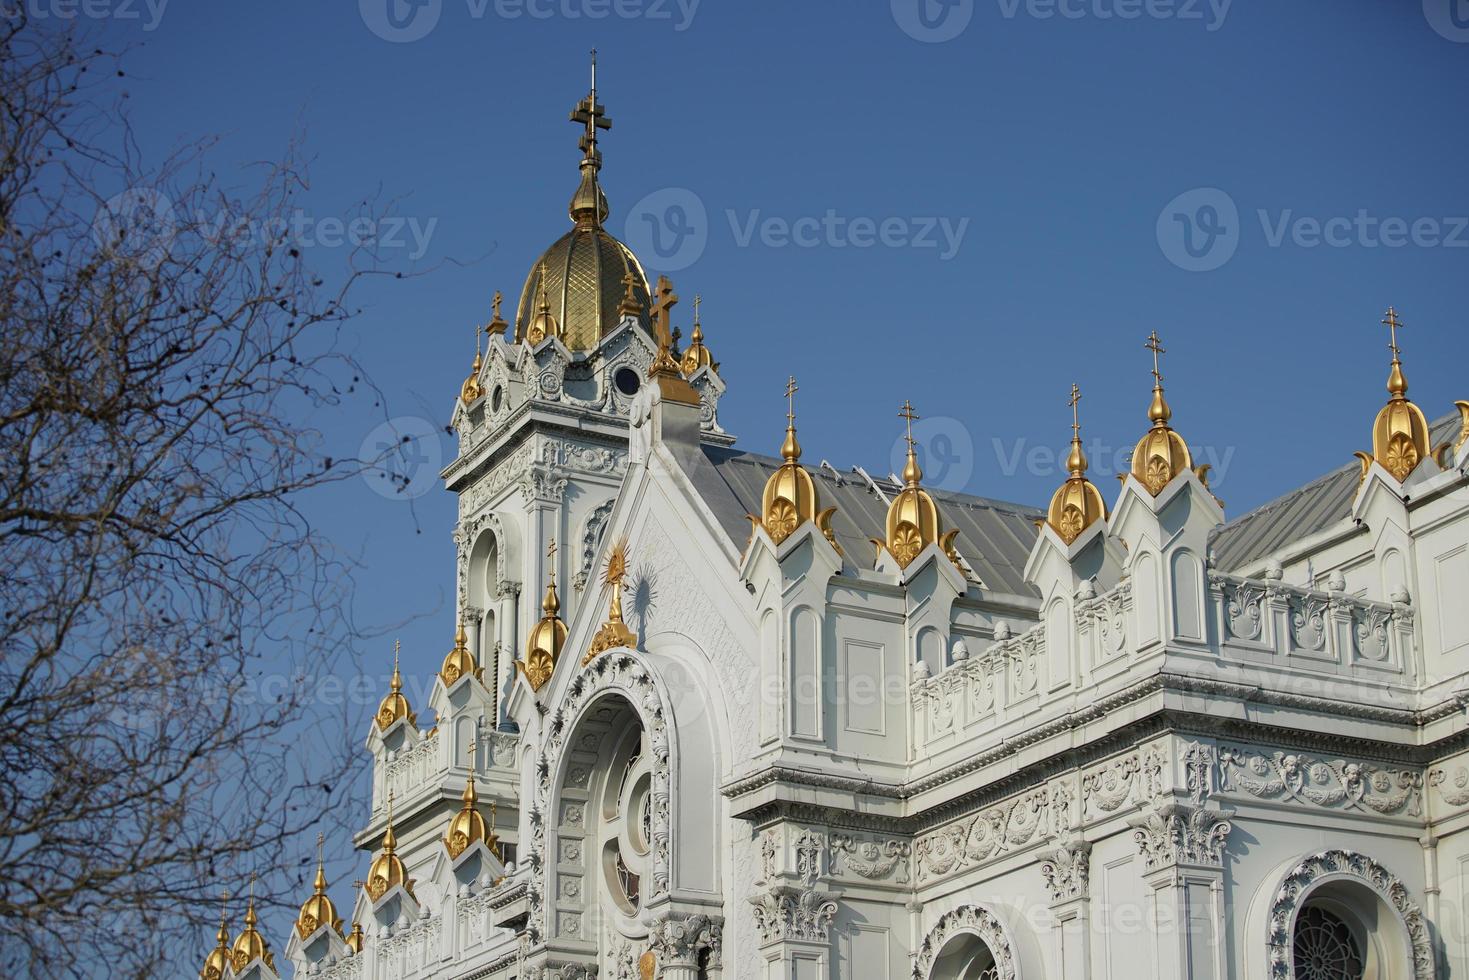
point(591, 114)
point(791, 390)
point(1157, 348)
point(1073, 401)
point(1393, 324)
point(910, 417)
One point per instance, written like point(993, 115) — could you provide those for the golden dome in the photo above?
point(1077, 503)
point(1400, 431)
point(250, 945)
point(218, 961)
point(697, 356)
point(546, 638)
point(459, 661)
point(913, 517)
point(318, 910)
point(394, 706)
point(790, 497)
point(1161, 454)
point(387, 871)
point(578, 286)
point(468, 825)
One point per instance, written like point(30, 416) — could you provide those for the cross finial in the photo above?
point(697, 300)
point(551, 559)
point(908, 415)
point(474, 749)
point(1391, 321)
point(495, 304)
point(590, 114)
point(1157, 348)
point(664, 300)
point(1073, 401)
point(791, 390)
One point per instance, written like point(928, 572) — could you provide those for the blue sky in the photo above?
point(971, 208)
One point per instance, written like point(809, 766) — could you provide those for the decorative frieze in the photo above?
point(1133, 779)
point(1017, 823)
point(1453, 788)
point(1333, 784)
point(873, 859)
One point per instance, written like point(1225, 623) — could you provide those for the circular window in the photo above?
point(497, 398)
point(627, 381)
point(1325, 947)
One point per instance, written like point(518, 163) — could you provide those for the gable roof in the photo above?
point(995, 537)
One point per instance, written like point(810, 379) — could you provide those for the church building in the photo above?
point(709, 714)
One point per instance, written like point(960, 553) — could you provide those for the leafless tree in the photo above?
point(156, 567)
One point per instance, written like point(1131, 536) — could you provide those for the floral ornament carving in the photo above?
point(678, 940)
point(1370, 630)
point(1308, 623)
point(972, 920)
point(1327, 783)
point(809, 846)
point(1014, 824)
point(1297, 886)
point(875, 860)
point(1198, 770)
point(1244, 610)
point(1172, 834)
point(1067, 871)
point(787, 912)
point(1455, 789)
point(1137, 777)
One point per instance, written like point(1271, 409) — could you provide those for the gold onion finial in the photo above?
point(394, 706)
point(698, 355)
point(614, 632)
point(913, 518)
point(468, 826)
point(1161, 454)
point(459, 661)
point(544, 325)
point(1400, 431)
point(790, 498)
point(387, 869)
point(219, 962)
point(250, 945)
point(543, 645)
point(318, 910)
point(1077, 503)
point(470, 390)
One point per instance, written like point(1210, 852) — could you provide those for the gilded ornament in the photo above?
point(790, 498)
point(318, 910)
point(497, 326)
point(394, 706)
point(469, 826)
point(665, 368)
point(470, 391)
point(355, 940)
point(218, 962)
point(698, 355)
point(547, 637)
point(250, 945)
point(459, 662)
point(913, 517)
point(387, 871)
point(614, 632)
point(1400, 431)
point(1162, 454)
point(1077, 503)
point(544, 325)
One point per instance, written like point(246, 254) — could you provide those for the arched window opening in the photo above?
point(1326, 946)
point(965, 957)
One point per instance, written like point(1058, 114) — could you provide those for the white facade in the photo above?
point(1120, 757)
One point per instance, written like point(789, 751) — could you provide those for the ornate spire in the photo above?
point(543, 645)
point(698, 356)
point(394, 706)
point(250, 945)
point(219, 962)
point(589, 204)
point(790, 498)
point(1400, 431)
point(544, 325)
point(497, 326)
point(459, 662)
point(387, 869)
point(614, 632)
point(913, 517)
point(1161, 454)
point(318, 910)
point(470, 390)
point(1077, 504)
point(468, 826)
